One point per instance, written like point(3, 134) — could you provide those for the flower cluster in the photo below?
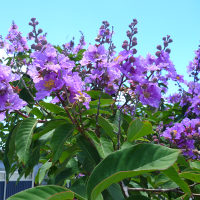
point(14, 42)
point(9, 98)
point(186, 136)
point(52, 74)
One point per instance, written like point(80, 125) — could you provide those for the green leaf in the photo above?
point(191, 176)
point(94, 94)
point(49, 192)
point(93, 111)
point(69, 152)
point(195, 165)
point(107, 146)
point(103, 102)
point(174, 176)
point(42, 172)
point(138, 129)
point(52, 107)
point(89, 156)
point(9, 150)
point(59, 137)
point(48, 126)
point(108, 128)
point(24, 137)
point(129, 162)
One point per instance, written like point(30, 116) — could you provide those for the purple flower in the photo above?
point(149, 94)
point(9, 99)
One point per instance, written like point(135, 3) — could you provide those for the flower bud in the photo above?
point(134, 51)
point(168, 50)
point(164, 38)
point(33, 46)
point(38, 47)
point(165, 44)
point(170, 40)
point(44, 42)
point(30, 34)
point(131, 59)
point(40, 30)
point(159, 47)
point(33, 19)
point(158, 53)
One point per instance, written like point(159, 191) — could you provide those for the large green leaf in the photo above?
point(138, 129)
point(59, 137)
point(129, 162)
point(48, 192)
point(174, 176)
point(24, 137)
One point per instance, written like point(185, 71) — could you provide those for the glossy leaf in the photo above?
point(23, 138)
point(49, 192)
point(129, 162)
point(138, 129)
point(59, 137)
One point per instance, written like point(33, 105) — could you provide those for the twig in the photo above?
point(26, 116)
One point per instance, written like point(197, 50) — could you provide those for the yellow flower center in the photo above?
point(174, 132)
point(117, 58)
point(49, 84)
point(178, 78)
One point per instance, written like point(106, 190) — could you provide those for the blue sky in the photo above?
point(62, 19)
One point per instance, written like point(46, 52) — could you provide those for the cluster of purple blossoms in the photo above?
point(52, 73)
point(191, 98)
point(185, 136)
point(14, 42)
point(9, 99)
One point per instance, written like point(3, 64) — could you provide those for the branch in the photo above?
point(26, 116)
point(177, 190)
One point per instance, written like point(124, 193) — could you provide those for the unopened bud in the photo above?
point(30, 34)
point(170, 40)
point(159, 47)
point(134, 51)
point(158, 53)
point(40, 30)
point(132, 59)
point(44, 42)
point(168, 50)
point(134, 43)
point(38, 47)
point(33, 46)
point(164, 38)
point(33, 19)
point(165, 44)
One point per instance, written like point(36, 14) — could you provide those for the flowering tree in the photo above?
point(98, 123)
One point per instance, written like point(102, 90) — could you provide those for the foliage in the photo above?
point(98, 124)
